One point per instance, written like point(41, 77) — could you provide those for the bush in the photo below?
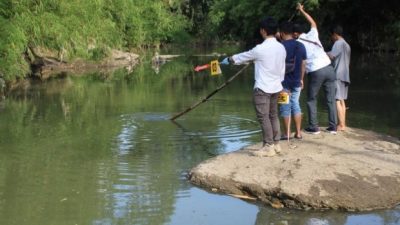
point(12, 46)
point(84, 29)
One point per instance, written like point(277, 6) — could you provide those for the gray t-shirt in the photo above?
point(341, 60)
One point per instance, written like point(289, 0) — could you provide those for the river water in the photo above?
point(100, 148)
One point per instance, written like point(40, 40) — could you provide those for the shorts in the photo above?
point(293, 108)
point(342, 89)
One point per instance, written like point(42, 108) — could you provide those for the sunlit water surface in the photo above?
point(100, 148)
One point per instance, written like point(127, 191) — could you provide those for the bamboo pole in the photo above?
point(209, 95)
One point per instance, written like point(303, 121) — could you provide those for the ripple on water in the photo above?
point(149, 127)
point(132, 180)
point(225, 127)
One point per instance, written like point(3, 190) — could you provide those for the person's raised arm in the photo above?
point(300, 7)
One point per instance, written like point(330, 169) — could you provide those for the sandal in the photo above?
point(298, 137)
point(284, 138)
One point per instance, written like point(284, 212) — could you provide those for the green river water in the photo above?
point(98, 149)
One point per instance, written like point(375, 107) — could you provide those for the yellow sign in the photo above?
point(283, 97)
point(215, 69)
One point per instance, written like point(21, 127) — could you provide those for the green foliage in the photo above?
point(12, 45)
point(369, 25)
point(239, 19)
point(89, 29)
point(84, 29)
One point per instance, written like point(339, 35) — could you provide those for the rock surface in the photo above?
point(355, 170)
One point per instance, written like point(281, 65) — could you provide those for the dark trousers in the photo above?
point(266, 106)
point(326, 78)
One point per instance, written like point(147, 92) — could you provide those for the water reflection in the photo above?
point(125, 140)
point(101, 150)
point(268, 216)
point(142, 182)
point(139, 187)
point(2, 104)
point(231, 132)
point(201, 207)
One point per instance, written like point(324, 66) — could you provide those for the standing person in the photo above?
point(340, 55)
point(269, 70)
point(293, 83)
point(320, 73)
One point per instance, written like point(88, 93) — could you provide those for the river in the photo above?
point(100, 148)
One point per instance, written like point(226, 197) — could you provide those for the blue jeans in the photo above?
point(293, 108)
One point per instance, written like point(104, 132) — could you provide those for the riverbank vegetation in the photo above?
point(85, 29)
point(90, 29)
point(371, 25)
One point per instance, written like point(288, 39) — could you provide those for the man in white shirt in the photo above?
point(320, 74)
point(269, 71)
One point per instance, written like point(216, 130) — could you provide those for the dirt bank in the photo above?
point(45, 66)
point(353, 170)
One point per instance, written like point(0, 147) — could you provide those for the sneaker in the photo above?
point(312, 130)
point(277, 148)
point(331, 130)
point(267, 151)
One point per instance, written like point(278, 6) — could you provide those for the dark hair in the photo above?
point(337, 29)
point(286, 27)
point(270, 25)
point(298, 28)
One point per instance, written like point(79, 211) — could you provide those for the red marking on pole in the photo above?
point(200, 68)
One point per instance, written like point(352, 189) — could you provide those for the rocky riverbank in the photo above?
point(356, 170)
point(46, 64)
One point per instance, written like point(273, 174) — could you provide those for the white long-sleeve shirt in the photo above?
point(269, 64)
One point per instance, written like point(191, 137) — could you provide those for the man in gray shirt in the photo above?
point(340, 56)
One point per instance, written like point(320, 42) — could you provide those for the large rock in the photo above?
point(353, 170)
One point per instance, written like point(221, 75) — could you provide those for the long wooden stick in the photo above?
point(209, 95)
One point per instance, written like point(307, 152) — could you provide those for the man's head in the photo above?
point(298, 29)
point(336, 32)
point(286, 30)
point(268, 27)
